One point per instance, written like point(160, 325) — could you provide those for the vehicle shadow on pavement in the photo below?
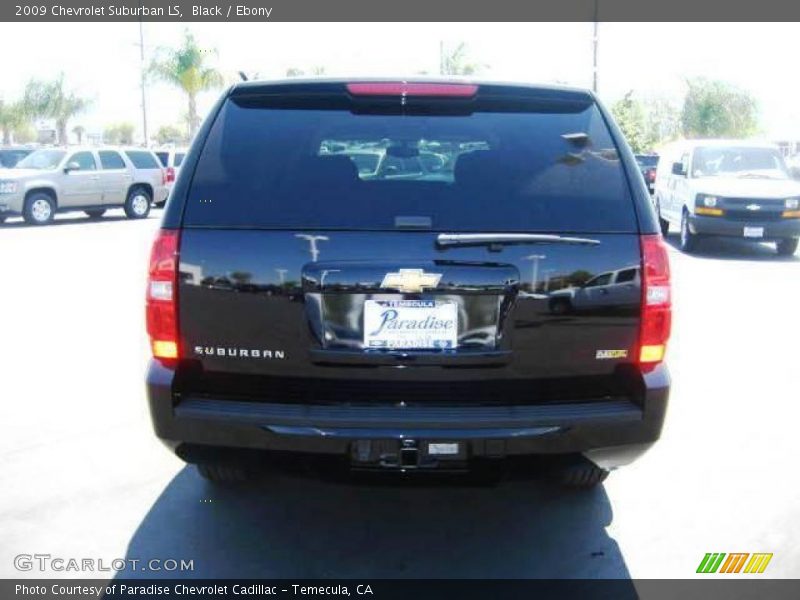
point(291, 526)
point(75, 220)
point(733, 249)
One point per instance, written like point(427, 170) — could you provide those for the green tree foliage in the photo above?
point(13, 121)
point(119, 134)
point(171, 134)
point(187, 68)
point(456, 61)
point(662, 121)
point(51, 100)
point(578, 278)
point(24, 133)
point(718, 109)
point(630, 116)
point(646, 123)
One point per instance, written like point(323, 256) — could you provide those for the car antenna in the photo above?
point(242, 75)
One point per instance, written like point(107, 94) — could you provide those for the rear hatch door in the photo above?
point(425, 241)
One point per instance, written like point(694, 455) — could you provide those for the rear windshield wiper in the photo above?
point(499, 239)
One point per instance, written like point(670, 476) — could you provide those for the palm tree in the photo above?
point(456, 61)
point(12, 117)
point(186, 68)
point(49, 99)
point(79, 130)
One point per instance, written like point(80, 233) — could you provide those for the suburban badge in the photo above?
point(606, 354)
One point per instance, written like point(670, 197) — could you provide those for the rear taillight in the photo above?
point(169, 176)
point(404, 88)
point(651, 175)
point(656, 302)
point(162, 312)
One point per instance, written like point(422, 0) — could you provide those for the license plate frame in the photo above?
point(410, 325)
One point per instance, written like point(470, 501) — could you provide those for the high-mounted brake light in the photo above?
point(404, 88)
point(162, 314)
point(656, 302)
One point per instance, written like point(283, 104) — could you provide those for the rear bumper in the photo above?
point(161, 195)
point(786, 228)
point(611, 432)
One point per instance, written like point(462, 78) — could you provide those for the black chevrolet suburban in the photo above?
point(367, 269)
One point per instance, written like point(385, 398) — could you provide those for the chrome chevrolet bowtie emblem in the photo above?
point(753, 207)
point(411, 280)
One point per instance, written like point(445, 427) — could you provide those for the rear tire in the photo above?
point(560, 306)
point(95, 213)
point(223, 473)
point(689, 240)
point(137, 205)
point(582, 475)
point(786, 246)
point(40, 209)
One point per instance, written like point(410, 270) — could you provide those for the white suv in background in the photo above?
point(733, 188)
point(91, 180)
point(171, 159)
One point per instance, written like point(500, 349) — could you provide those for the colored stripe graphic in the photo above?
point(734, 562)
point(758, 563)
point(710, 562)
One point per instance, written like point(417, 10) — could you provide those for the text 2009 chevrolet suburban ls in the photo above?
point(365, 268)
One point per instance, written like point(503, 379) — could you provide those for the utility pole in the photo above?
point(594, 47)
point(312, 240)
point(535, 272)
point(142, 81)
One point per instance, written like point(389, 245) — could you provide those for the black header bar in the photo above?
point(397, 10)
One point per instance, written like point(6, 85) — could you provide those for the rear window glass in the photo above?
point(142, 160)
point(164, 158)
point(645, 160)
point(179, 159)
point(335, 169)
point(9, 158)
point(111, 160)
point(84, 160)
point(626, 275)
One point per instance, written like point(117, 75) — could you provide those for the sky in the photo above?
point(101, 60)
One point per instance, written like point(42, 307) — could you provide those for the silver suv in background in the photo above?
point(11, 155)
point(91, 180)
point(171, 159)
point(619, 290)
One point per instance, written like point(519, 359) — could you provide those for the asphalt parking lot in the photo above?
point(83, 476)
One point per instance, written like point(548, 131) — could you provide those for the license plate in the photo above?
point(443, 449)
point(754, 232)
point(410, 324)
